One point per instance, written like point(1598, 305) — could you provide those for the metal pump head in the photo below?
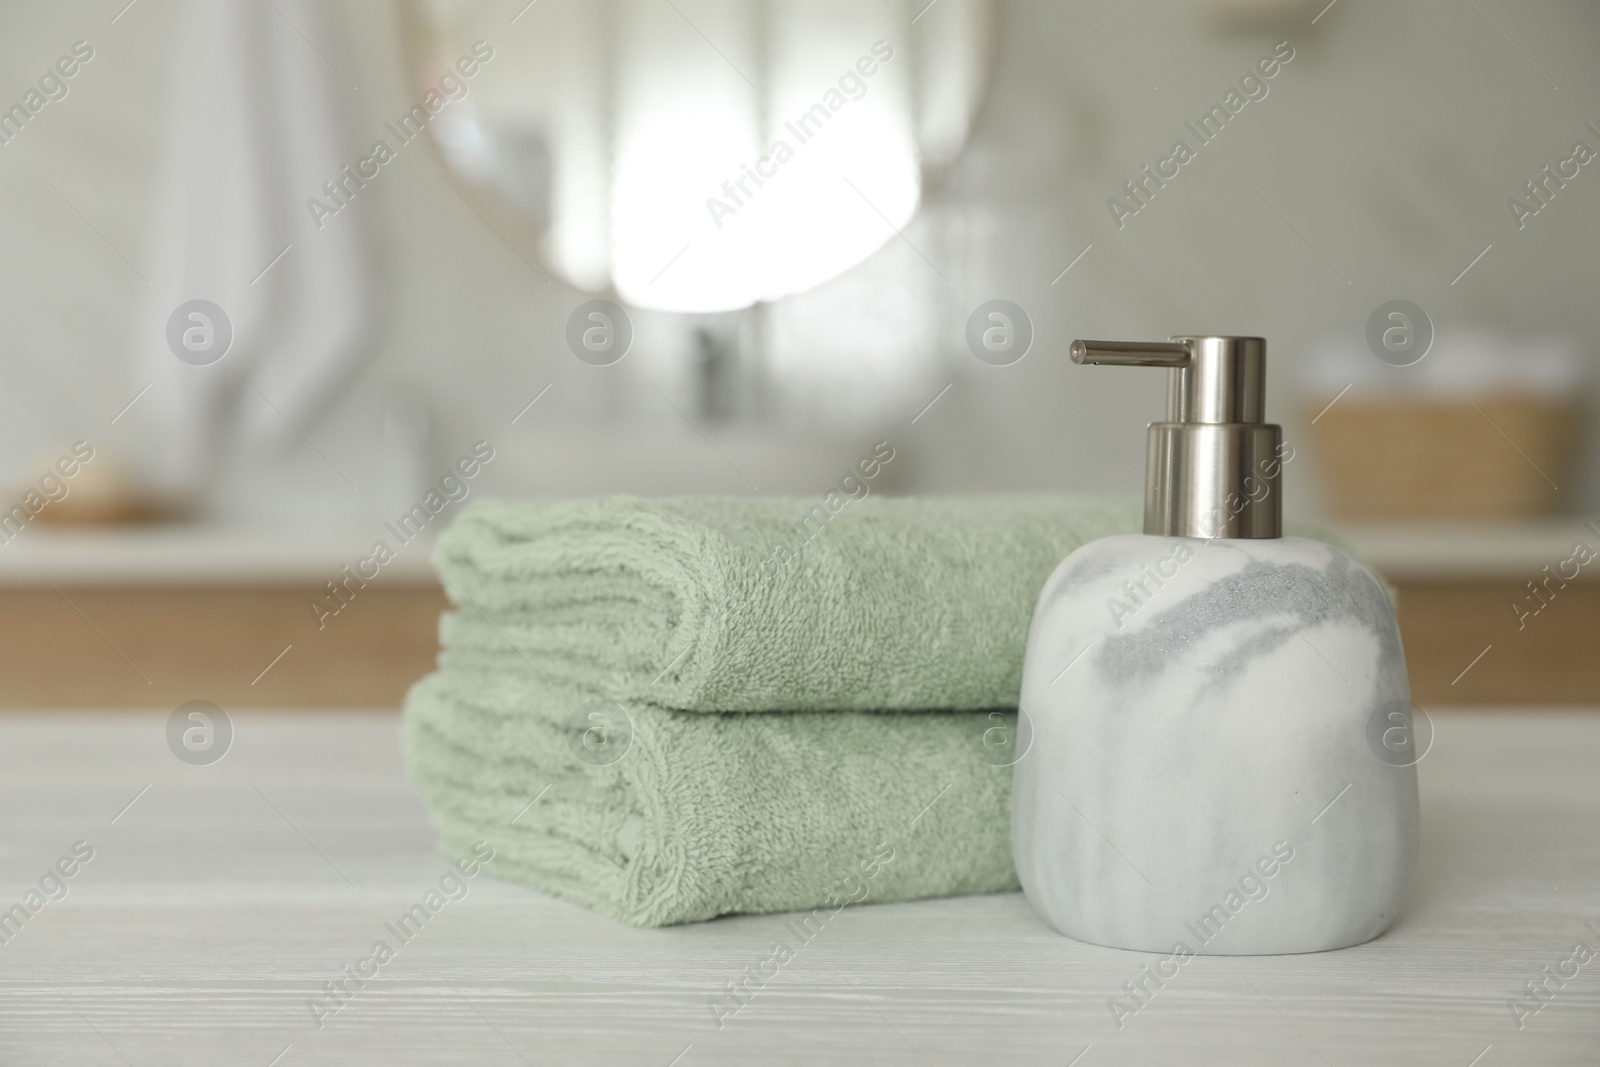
point(1213, 466)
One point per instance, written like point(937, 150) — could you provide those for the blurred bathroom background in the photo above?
point(1433, 343)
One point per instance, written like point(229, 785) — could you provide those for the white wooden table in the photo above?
point(225, 896)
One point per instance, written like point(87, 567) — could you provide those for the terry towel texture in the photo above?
point(688, 603)
point(706, 815)
point(800, 693)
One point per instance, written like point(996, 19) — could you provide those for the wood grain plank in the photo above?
point(218, 904)
point(1548, 658)
point(160, 646)
point(111, 646)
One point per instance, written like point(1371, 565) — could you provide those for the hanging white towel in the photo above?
point(257, 125)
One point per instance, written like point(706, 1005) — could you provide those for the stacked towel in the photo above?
point(668, 710)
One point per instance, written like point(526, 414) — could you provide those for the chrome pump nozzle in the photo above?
point(1213, 466)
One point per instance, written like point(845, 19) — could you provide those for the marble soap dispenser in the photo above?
point(1220, 757)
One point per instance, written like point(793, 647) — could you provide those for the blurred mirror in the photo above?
point(706, 155)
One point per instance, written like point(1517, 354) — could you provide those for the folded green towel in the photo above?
point(707, 814)
point(708, 604)
point(875, 641)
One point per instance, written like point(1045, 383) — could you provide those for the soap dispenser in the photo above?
point(1220, 759)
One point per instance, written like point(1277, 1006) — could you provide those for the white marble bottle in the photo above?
point(1217, 717)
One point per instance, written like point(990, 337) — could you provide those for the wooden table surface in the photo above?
point(220, 899)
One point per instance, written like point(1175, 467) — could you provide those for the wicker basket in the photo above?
point(1495, 457)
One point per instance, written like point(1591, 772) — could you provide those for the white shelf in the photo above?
point(210, 555)
point(200, 555)
point(1467, 550)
